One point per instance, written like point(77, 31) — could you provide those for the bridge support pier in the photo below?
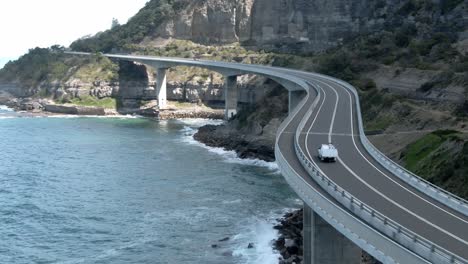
point(325, 245)
point(161, 87)
point(295, 98)
point(230, 96)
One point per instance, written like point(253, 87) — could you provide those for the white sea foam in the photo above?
point(237, 201)
point(5, 108)
point(199, 122)
point(261, 233)
point(95, 116)
point(6, 117)
point(229, 156)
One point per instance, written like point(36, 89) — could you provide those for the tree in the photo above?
point(115, 23)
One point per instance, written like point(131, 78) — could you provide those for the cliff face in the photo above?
point(309, 25)
point(301, 25)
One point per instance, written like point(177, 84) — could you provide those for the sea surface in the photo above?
point(131, 190)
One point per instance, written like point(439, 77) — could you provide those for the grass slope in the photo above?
point(440, 157)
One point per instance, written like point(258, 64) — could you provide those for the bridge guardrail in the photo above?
point(449, 199)
point(355, 230)
point(457, 203)
point(346, 223)
point(404, 236)
point(392, 229)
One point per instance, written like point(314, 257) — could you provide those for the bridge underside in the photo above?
point(231, 91)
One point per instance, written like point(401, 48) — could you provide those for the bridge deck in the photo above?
point(335, 119)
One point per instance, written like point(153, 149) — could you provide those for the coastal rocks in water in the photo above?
point(224, 239)
point(289, 243)
point(148, 112)
point(74, 110)
point(221, 136)
point(251, 245)
point(33, 106)
point(25, 104)
point(252, 132)
point(206, 114)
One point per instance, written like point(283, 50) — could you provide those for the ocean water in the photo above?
point(131, 190)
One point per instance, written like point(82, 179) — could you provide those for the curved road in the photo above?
point(328, 113)
point(356, 171)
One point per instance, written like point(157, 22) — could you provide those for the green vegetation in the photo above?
point(421, 149)
point(109, 103)
point(441, 80)
point(120, 37)
point(380, 123)
point(440, 157)
point(39, 65)
point(184, 105)
point(97, 68)
point(375, 105)
point(52, 65)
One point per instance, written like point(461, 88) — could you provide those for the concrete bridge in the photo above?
point(364, 200)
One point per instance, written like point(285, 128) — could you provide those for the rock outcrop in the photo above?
point(289, 242)
point(75, 110)
point(298, 25)
point(252, 132)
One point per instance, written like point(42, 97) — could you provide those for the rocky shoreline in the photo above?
point(205, 114)
point(45, 107)
point(245, 147)
point(289, 242)
point(248, 146)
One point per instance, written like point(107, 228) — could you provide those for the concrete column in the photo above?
point(295, 98)
point(230, 96)
point(307, 231)
point(324, 245)
point(161, 87)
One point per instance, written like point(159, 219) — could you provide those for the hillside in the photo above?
point(408, 58)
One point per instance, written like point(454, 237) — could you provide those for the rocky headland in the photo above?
point(45, 107)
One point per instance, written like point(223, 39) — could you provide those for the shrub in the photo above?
point(365, 84)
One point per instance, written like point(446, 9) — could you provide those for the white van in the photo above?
point(327, 152)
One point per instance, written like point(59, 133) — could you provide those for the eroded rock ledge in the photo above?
point(246, 147)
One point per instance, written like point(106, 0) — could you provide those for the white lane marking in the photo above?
point(381, 172)
point(332, 125)
point(354, 217)
point(322, 134)
point(390, 178)
point(309, 134)
point(383, 195)
point(313, 122)
point(400, 206)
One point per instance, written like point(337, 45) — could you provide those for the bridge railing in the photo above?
point(404, 236)
point(447, 198)
point(387, 226)
point(420, 245)
point(457, 203)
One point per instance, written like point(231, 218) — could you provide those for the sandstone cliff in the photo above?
point(291, 25)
